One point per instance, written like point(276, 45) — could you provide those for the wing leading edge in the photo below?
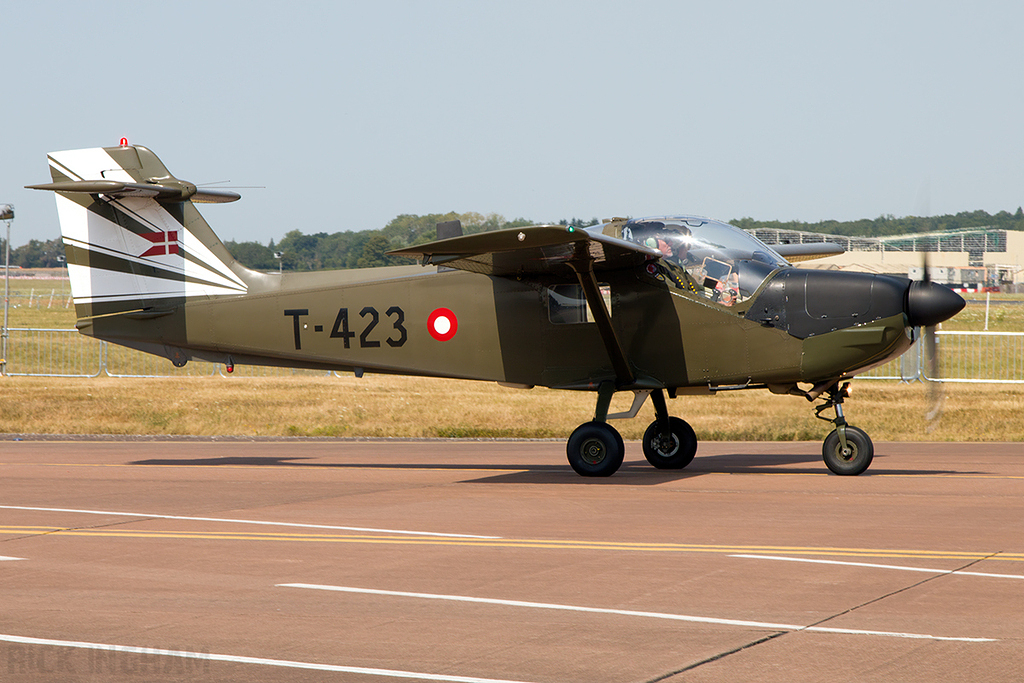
point(539, 249)
point(806, 252)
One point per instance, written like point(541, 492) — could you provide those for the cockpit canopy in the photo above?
point(706, 257)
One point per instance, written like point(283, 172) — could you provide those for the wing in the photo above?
point(806, 252)
point(539, 249)
point(560, 251)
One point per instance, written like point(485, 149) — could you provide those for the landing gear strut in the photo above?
point(847, 450)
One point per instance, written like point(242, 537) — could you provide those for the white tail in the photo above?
point(133, 239)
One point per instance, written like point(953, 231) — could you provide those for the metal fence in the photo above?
point(979, 357)
point(34, 352)
point(968, 357)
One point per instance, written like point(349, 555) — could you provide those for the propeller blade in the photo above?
point(936, 395)
point(931, 363)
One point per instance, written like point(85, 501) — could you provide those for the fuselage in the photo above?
point(521, 332)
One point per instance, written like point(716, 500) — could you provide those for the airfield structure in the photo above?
point(972, 259)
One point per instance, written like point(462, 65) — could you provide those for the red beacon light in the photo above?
point(124, 142)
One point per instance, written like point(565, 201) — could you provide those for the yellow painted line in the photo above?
point(871, 475)
point(325, 466)
point(955, 476)
point(544, 544)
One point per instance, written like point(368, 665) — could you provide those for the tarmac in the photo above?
point(343, 560)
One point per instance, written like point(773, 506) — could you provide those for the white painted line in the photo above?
point(632, 613)
point(879, 566)
point(184, 654)
point(5, 559)
point(250, 521)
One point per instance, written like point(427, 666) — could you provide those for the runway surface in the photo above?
point(484, 561)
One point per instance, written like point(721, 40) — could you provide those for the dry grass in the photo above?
point(418, 407)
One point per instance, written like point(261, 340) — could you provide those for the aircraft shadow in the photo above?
point(632, 473)
point(277, 461)
point(640, 473)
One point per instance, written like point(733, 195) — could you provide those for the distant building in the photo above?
point(971, 259)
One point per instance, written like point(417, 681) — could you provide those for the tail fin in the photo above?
point(133, 239)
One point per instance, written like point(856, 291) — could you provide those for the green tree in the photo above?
point(301, 252)
point(253, 254)
point(38, 254)
point(375, 253)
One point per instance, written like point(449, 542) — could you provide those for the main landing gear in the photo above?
point(595, 448)
point(847, 450)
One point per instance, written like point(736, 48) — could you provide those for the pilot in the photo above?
point(730, 289)
point(677, 256)
point(659, 244)
point(674, 245)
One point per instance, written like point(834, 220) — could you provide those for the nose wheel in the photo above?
point(847, 449)
point(854, 457)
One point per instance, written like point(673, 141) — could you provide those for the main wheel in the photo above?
point(855, 458)
point(595, 449)
point(673, 452)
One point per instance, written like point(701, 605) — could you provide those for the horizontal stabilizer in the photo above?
point(214, 196)
point(177, 192)
point(807, 252)
point(539, 249)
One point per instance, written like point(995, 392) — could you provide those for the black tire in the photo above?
point(595, 449)
point(853, 462)
point(675, 455)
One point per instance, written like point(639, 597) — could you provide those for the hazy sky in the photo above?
point(350, 113)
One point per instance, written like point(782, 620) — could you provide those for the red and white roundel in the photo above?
point(442, 324)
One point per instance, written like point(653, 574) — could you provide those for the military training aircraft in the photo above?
point(670, 305)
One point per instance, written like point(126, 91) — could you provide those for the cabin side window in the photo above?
point(568, 305)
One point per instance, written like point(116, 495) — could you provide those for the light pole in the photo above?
point(63, 261)
point(6, 215)
point(280, 259)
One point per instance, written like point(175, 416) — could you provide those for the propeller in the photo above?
point(933, 379)
point(928, 304)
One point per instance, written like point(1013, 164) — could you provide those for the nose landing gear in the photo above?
point(847, 449)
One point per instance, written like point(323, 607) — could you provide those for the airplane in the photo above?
point(657, 306)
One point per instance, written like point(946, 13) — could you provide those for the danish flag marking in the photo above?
point(163, 243)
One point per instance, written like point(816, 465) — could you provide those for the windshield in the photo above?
point(712, 259)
